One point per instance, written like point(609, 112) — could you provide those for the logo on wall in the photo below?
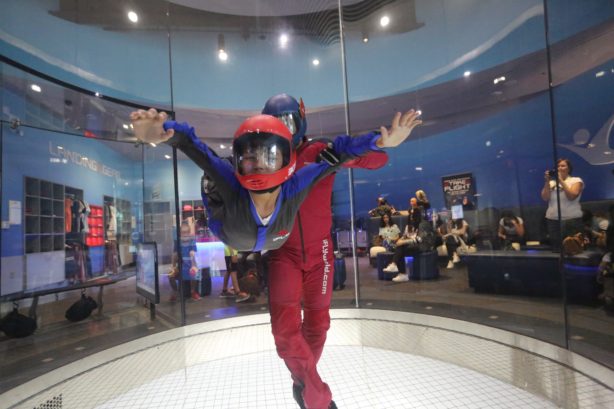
point(60, 154)
point(459, 190)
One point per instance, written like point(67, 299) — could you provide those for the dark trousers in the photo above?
point(400, 252)
point(557, 231)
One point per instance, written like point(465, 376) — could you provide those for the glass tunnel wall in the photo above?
point(504, 89)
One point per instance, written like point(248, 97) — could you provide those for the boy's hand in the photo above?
point(399, 131)
point(148, 126)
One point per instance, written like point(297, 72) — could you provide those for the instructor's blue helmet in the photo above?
point(291, 112)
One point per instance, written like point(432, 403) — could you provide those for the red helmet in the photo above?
point(263, 154)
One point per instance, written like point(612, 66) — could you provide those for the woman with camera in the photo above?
point(570, 190)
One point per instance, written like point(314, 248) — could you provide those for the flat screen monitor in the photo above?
point(147, 272)
point(457, 212)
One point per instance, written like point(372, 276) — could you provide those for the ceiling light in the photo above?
point(132, 16)
point(419, 168)
point(126, 126)
point(600, 74)
point(283, 40)
point(35, 88)
point(466, 74)
point(365, 39)
point(167, 156)
point(60, 147)
point(97, 94)
point(315, 62)
point(152, 144)
point(498, 80)
point(222, 146)
point(488, 143)
point(607, 152)
point(222, 55)
point(384, 21)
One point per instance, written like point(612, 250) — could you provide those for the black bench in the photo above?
point(35, 293)
point(525, 272)
point(534, 272)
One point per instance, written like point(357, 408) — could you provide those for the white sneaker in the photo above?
point(391, 268)
point(456, 258)
point(400, 278)
point(450, 264)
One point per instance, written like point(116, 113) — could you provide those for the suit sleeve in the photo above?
point(346, 147)
point(220, 171)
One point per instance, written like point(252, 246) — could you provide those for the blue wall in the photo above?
point(28, 153)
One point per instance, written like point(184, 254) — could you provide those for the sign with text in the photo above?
point(459, 190)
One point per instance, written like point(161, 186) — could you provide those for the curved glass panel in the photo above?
point(583, 121)
point(93, 45)
point(480, 154)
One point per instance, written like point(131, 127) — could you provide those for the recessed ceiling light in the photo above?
point(384, 21)
point(222, 55)
point(498, 80)
point(126, 126)
point(132, 16)
point(419, 168)
point(365, 39)
point(315, 62)
point(152, 144)
point(466, 74)
point(35, 88)
point(167, 156)
point(283, 40)
point(600, 74)
point(488, 143)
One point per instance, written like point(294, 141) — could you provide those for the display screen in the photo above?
point(457, 212)
point(147, 271)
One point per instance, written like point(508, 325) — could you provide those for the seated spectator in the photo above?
point(189, 270)
point(510, 231)
point(606, 272)
point(456, 237)
point(389, 232)
point(382, 208)
point(424, 204)
point(414, 213)
point(411, 243)
point(595, 227)
point(231, 256)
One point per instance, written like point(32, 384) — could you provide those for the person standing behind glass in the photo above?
point(570, 192)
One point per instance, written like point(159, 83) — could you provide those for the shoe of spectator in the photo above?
point(195, 296)
point(456, 258)
point(227, 294)
point(297, 392)
point(242, 297)
point(401, 278)
point(391, 268)
point(450, 264)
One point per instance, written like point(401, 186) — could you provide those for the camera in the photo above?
point(552, 173)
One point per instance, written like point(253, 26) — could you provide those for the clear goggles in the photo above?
point(291, 120)
point(260, 153)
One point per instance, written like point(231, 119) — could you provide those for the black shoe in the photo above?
point(332, 405)
point(297, 392)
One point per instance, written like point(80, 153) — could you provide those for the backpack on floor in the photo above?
point(81, 309)
point(16, 325)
